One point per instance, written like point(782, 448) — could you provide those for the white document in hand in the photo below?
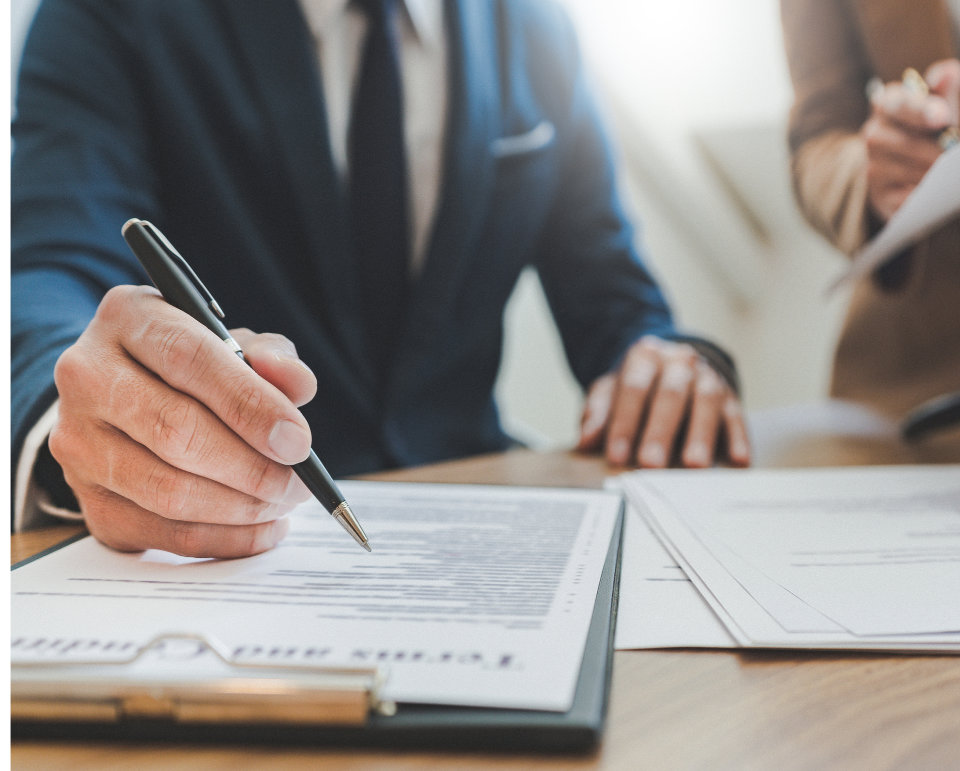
point(934, 202)
point(853, 557)
point(476, 596)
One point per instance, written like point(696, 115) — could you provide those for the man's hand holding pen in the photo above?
point(170, 441)
point(911, 123)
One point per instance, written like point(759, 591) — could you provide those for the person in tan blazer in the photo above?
point(854, 161)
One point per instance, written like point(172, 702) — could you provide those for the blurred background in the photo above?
point(696, 93)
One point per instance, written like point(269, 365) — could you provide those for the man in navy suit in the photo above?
point(227, 123)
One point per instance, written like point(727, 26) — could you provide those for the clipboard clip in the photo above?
point(212, 689)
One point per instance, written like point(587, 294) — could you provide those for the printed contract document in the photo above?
point(473, 595)
point(865, 558)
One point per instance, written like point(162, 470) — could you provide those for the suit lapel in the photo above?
point(893, 45)
point(276, 42)
point(472, 125)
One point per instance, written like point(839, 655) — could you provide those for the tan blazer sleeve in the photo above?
point(834, 47)
point(830, 183)
point(828, 159)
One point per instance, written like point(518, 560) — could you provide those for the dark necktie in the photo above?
point(378, 185)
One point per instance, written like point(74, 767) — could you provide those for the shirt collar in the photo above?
point(425, 17)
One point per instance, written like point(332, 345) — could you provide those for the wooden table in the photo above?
point(670, 709)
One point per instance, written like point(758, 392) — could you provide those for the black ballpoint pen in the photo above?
point(181, 287)
point(937, 414)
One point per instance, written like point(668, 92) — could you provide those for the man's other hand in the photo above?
point(665, 396)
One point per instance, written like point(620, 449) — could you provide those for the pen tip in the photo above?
point(345, 517)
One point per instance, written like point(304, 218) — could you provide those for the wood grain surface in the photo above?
point(673, 709)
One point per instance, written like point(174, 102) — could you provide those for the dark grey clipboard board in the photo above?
point(414, 727)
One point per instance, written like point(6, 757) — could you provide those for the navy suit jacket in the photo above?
point(207, 118)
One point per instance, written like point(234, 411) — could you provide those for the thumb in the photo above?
point(943, 77)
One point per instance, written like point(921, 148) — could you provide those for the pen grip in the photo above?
point(319, 482)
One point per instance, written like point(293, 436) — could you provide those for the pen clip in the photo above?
point(184, 266)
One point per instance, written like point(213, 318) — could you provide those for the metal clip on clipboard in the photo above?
point(216, 689)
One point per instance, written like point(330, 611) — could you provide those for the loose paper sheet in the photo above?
point(473, 595)
point(858, 558)
point(659, 605)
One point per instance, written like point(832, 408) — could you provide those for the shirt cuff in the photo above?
point(30, 502)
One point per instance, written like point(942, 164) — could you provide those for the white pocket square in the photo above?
point(535, 139)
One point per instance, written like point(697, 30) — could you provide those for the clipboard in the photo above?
point(258, 705)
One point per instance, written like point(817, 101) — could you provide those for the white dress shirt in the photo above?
point(338, 31)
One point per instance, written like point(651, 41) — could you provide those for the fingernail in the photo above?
point(740, 449)
point(653, 454)
point(697, 454)
point(289, 442)
point(286, 358)
point(592, 424)
point(281, 527)
point(619, 450)
point(936, 113)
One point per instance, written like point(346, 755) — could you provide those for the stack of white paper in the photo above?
point(860, 558)
point(659, 605)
